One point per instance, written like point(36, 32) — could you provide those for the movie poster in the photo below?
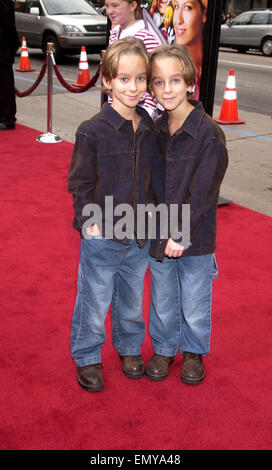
point(194, 24)
point(161, 11)
point(182, 22)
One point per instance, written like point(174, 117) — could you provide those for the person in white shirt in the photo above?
point(126, 20)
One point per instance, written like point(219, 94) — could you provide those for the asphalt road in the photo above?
point(253, 74)
point(253, 77)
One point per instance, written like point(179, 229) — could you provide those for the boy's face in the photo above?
point(167, 82)
point(130, 84)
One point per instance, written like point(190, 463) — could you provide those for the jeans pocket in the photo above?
point(214, 273)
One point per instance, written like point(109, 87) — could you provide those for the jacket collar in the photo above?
point(190, 125)
point(117, 121)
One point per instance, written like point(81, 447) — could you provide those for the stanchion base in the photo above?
point(49, 138)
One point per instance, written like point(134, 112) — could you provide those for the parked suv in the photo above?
point(249, 30)
point(68, 24)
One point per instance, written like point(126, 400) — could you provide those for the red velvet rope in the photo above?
point(86, 87)
point(35, 84)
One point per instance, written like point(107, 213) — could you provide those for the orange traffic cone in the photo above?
point(83, 71)
point(229, 109)
point(24, 59)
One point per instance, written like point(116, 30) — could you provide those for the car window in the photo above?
point(19, 6)
point(270, 18)
point(32, 3)
point(71, 7)
point(241, 19)
point(259, 18)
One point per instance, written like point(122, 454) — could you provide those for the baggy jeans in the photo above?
point(109, 273)
point(181, 298)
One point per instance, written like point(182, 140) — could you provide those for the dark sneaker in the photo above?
point(193, 372)
point(5, 127)
point(90, 377)
point(158, 366)
point(133, 366)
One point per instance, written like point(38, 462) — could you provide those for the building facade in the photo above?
point(238, 6)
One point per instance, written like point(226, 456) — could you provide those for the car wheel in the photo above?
point(58, 54)
point(266, 47)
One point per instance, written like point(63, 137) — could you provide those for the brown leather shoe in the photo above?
point(193, 372)
point(157, 368)
point(133, 366)
point(90, 377)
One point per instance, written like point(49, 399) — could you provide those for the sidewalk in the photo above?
point(248, 178)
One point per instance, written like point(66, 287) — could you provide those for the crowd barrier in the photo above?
point(50, 65)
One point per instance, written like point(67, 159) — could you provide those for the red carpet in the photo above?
point(42, 406)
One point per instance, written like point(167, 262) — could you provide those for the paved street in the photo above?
point(248, 180)
point(253, 74)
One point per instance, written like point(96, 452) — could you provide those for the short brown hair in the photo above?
point(111, 57)
point(181, 53)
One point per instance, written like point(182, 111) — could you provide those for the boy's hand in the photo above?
point(173, 249)
point(93, 230)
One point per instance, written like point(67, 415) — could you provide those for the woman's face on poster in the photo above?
point(188, 20)
point(162, 4)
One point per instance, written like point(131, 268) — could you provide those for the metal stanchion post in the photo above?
point(104, 96)
point(48, 137)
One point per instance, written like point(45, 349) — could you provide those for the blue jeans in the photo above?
point(181, 297)
point(109, 273)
